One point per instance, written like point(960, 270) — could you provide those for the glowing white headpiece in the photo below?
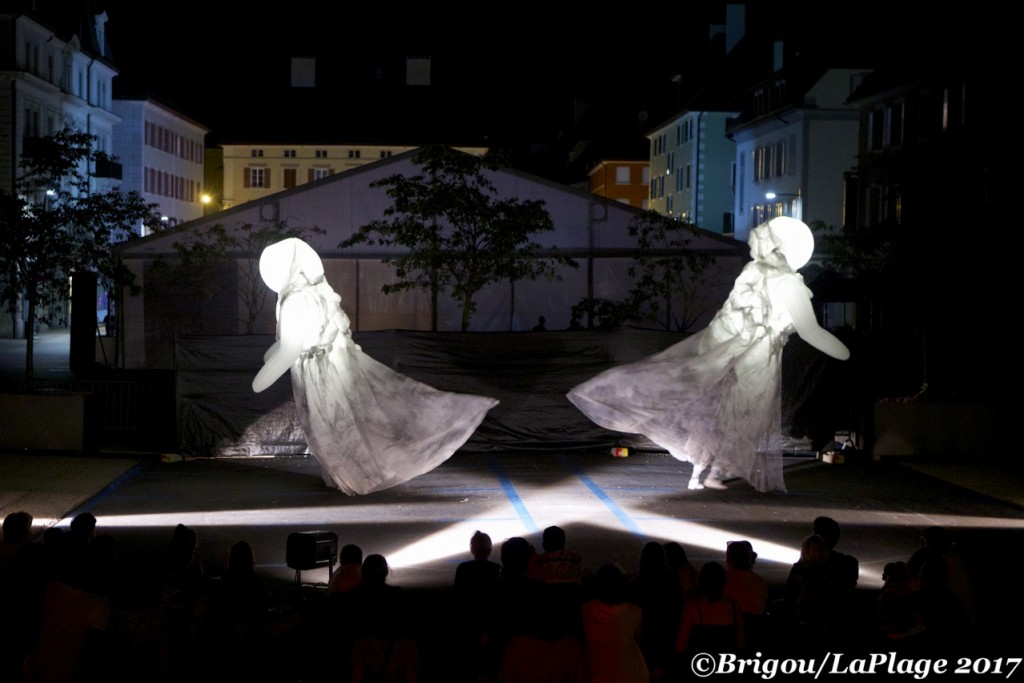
point(791, 237)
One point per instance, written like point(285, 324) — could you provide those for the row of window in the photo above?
point(260, 176)
point(624, 175)
point(658, 145)
point(320, 153)
point(930, 113)
point(167, 184)
point(168, 141)
point(684, 180)
point(74, 76)
point(770, 97)
point(772, 160)
point(684, 131)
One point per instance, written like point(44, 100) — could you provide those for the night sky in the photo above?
point(498, 73)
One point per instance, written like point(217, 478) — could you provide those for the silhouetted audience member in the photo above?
point(810, 595)
point(612, 627)
point(561, 571)
point(939, 540)
point(894, 607)
point(550, 655)
point(656, 589)
point(70, 643)
point(941, 622)
point(21, 586)
point(79, 563)
point(556, 564)
point(182, 592)
point(479, 575)
point(474, 586)
point(711, 622)
point(675, 556)
point(844, 568)
point(748, 589)
point(17, 528)
point(517, 598)
point(349, 571)
point(382, 646)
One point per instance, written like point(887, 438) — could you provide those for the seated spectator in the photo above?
point(17, 528)
point(612, 626)
point(810, 596)
point(894, 606)
point(517, 597)
point(478, 575)
point(675, 556)
point(939, 540)
point(378, 622)
point(747, 588)
point(711, 622)
point(556, 564)
point(550, 655)
point(349, 571)
point(475, 583)
point(656, 589)
point(561, 571)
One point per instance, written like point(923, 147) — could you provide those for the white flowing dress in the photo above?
point(715, 397)
point(370, 427)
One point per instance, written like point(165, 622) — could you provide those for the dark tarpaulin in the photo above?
point(528, 372)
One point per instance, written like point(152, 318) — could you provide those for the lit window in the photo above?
point(257, 177)
point(622, 175)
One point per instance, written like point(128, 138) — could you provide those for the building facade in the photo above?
point(693, 170)
point(162, 155)
point(252, 171)
point(55, 74)
point(52, 79)
point(622, 180)
point(794, 146)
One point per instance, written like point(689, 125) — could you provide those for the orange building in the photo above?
point(624, 181)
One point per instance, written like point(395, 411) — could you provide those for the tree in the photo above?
point(214, 246)
point(664, 271)
point(457, 234)
point(54, 226)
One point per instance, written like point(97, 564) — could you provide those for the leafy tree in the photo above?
point(664, 271)
point(213, 246)
point(602, 314)
point(458, 236)
point(54, 226)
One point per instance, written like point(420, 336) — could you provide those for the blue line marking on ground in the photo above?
point(621, 514)
point(513, 496)
point(109, 489)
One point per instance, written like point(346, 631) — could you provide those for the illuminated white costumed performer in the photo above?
point(714, 399)
point(369, 427)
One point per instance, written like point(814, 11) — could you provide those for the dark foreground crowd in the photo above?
point(71, 610)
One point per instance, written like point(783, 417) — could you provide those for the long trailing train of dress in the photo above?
point(369, 427)
point(713, 399)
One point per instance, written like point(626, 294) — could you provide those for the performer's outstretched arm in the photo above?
point(292, 322)
point(791, 295)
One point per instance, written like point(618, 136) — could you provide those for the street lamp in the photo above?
point(795, 205)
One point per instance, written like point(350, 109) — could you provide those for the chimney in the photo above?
point(303, 72)
point(735, 25)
